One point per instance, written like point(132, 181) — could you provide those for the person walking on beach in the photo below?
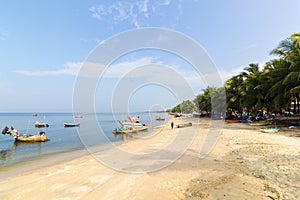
point(172, 125)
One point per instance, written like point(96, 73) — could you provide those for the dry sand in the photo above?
point(245, 164)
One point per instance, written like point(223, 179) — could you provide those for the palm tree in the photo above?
point(253, 96)
point(187, 107)
point(273, 76)
point(289, 51)
point(235, 92)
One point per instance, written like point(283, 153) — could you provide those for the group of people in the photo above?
point(12, 131)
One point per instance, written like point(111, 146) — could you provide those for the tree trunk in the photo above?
point(298, 105)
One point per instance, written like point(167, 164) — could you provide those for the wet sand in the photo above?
point(244, 164)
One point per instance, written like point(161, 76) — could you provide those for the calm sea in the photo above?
point(61, 139)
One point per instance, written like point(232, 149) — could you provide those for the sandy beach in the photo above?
point(244, 164)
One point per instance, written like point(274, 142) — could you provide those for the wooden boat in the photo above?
point(233, 121)
point(71, 124)
point(41, 124)
point(78, 116)
point(160, 119)
point(184, 125)
point(41, 137)
point(34, 114)
point(269, 130)
point(31, 138)
point(128, 130)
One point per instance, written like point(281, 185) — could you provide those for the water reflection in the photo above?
point(8, 155)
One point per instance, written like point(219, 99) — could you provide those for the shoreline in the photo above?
point(27, 166)
point(244, 163)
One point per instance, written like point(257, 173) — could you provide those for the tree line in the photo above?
point(274, 87)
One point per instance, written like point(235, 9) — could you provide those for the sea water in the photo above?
point(94, 130)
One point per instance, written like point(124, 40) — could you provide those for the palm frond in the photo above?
point(292, 77)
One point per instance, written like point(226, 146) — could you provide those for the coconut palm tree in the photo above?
point(289, 51)
point(273, 76)
point(235, 93)
point(253, 96)
point(203, 100)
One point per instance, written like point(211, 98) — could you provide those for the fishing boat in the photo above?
point(128, 130)
point(31, 138)
point(41, 137)
point(34, 114)
point(71, 124)
point(132, 125)
point(40, 124)
point(269, 130)
point(160, 119)
point(257, 123)
point(78, 116)
point(233, 121)
point(131, 122)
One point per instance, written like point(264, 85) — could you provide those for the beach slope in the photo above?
point(244, 164)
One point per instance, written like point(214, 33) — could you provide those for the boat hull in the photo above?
point(133, 130)
point(233, 121)
point(34, 138)
point(71, 125)
point(41, 125)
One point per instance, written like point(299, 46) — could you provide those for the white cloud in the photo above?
point(117, 70)
point(91, 69)
point(120, 69)
point(142, 6)
point(225, 75)
point(72, 68)
point(128, 69)
point(135, 12)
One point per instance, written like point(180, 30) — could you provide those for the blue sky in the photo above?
point(43, 45)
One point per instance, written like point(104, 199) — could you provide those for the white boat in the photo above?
point(132, 124)
point(71, 124)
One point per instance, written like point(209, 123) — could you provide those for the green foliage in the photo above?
point(272, 88)
point(185, 107)
point(176, 109)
